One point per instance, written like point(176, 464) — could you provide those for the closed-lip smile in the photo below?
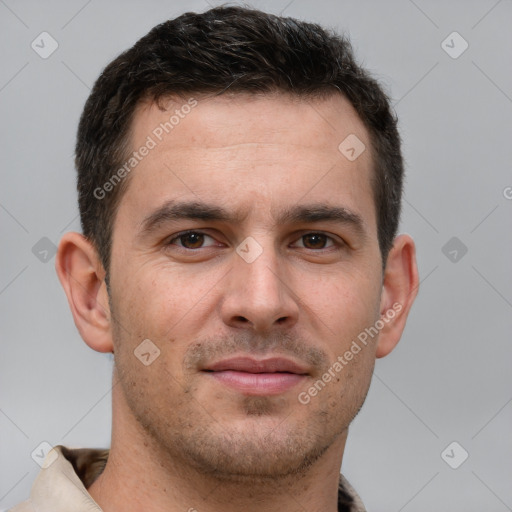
point(270, 376)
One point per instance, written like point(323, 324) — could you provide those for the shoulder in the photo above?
point(24, 506)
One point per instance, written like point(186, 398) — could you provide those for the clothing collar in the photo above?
point(67, 473)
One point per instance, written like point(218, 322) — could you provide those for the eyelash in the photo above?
point(335, 243)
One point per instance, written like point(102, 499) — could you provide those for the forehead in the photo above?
point(252, 154)
point(216, 121)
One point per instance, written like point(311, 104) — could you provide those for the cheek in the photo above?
point(347, 304)
point(151, 300)
point(164, 305)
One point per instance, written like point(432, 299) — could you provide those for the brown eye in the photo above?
point(190, 240)
point(315, 240)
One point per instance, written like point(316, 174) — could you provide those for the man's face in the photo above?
point(282, 296)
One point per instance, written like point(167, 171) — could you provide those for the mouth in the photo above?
point(250, 376)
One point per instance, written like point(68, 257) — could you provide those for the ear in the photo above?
point(399, 289)
point(83, 278)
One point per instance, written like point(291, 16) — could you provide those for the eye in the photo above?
point(194, 240)
point(190, 240)
point(316, 241)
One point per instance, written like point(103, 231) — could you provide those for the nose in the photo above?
point(259, 294)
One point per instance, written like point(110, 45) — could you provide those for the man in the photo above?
point(239, 180)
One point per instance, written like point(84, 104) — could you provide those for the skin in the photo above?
point(180, 438)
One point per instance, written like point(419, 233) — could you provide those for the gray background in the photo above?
point(449, 378)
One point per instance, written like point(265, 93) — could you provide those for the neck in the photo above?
point(139, 475)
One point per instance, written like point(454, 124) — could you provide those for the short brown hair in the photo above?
point(228, 49)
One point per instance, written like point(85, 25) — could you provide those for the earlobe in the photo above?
point(82, 277)
point(400, 287)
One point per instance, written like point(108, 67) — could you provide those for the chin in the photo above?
point(255, 448)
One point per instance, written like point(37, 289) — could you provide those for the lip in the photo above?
point(251, 365)
point(251, 376)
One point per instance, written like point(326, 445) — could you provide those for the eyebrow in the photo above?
point(196, 210)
